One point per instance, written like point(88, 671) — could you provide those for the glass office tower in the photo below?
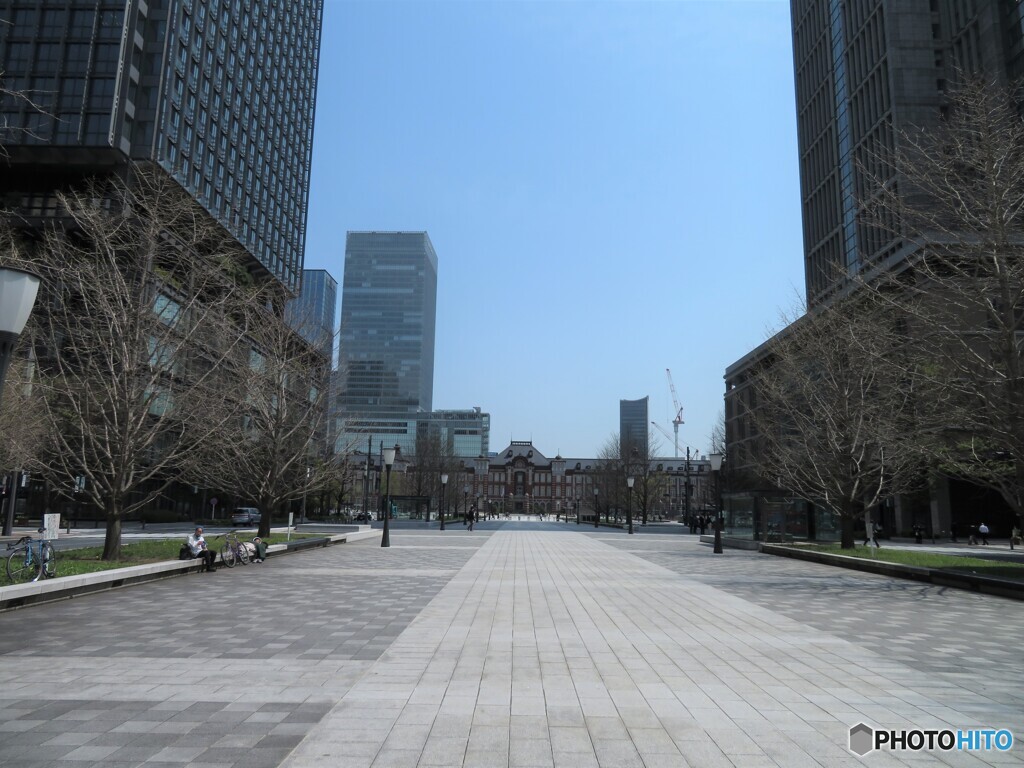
point(311, 313)
point(386, 358)
point(219, 93)
point(633, 421)
point(866, 72)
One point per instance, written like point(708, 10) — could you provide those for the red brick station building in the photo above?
point(520, 480)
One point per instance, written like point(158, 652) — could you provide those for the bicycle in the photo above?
point(233, 551)
point(31, 560)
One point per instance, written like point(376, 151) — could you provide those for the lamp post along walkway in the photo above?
point(716, 467)
point(18, 289)
point(444, 485)
point(389, 459)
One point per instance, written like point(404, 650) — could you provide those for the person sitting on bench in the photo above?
point(197, 546)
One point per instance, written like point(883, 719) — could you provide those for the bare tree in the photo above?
point(960, 197)
point(648, 483)
point(136, 280)
point(615, 465)
point(835, 411)
point(270, 447)
point(433, 456)
point(716, 440)
point(610, 478)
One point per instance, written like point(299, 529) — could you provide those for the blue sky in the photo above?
point(611, 188)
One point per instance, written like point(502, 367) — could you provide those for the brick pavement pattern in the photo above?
point(518, 645)
point(554, 649)
point(223, 670)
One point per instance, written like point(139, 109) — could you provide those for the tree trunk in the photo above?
point(266, 513)
point(112, 540)
point(847, 521)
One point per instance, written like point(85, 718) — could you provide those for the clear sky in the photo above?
point(611, 188)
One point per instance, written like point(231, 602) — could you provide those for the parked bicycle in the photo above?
point(31, 560)
point(233, 551)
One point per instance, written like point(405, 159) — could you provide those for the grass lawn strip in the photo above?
point(960, 564)
point(74, 562)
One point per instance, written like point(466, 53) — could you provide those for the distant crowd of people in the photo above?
point(701, 523)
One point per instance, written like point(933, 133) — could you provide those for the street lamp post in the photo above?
point(389, 459)
point(716, 467)
point(629, 504)
point(686, 491)
point(578, 497)
point(597, 517)
point(18, 290)
point(465, 504)
point(444, 482)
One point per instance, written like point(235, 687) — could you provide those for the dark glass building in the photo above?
point(219, 93)
point(312, 312)
point(867, 71)
point(633, 421)
point(386, 357)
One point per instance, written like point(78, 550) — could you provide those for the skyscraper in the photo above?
point(388, 308)
point(867, 71)
point(633, 421)
point(218, 93)
point(312, 312)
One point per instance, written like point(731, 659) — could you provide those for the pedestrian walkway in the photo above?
point(515, 647)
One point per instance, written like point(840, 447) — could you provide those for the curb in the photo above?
point(1013, 590)
point(67, 587)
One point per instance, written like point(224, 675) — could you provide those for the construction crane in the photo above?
point(678, 418)
point(663, 431)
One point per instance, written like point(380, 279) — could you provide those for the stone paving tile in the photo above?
point(522, 647)
point(117, 682)
point(631, 662)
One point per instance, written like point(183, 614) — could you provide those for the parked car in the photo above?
point(245, 516)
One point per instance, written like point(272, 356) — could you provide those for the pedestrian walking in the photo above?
point(472, 517)
point(983, 532)
point(875, 530)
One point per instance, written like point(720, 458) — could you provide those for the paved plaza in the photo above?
point(520, 645)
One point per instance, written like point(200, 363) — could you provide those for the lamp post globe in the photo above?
point(629, 504)
point(716, 468)
point(18, 290)
point(444, 483)
point(389, 459)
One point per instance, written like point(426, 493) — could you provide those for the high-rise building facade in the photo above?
point(464, 433)
point(867, 71)
point(633, 421)
point(218, 93)
point(312, 312)
point(386, 356)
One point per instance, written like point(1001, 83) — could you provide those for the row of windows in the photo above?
point(867, 47)
point(56, 22)
point(871, 103)
point(226, 77)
